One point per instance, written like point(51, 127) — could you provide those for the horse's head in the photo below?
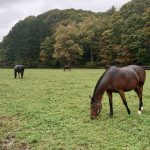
point(95, 108)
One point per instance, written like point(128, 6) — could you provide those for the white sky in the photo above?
point(11, 11)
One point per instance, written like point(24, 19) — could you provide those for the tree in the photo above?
point(111, 10)
point(46, 52)
point(96, 38)
point(90, 37)
point(66, 47)
point(106, 54)
point(1, 54)
point(124, 56)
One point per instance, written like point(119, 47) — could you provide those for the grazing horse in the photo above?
point(118, 80)
point(20, 70)
point(67, 67)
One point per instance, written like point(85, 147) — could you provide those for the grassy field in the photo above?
point(50, 110)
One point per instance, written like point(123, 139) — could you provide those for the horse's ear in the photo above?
point(90, 96)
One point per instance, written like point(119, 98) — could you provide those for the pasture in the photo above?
point(50, 110)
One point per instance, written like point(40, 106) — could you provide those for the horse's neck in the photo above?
point(98, 94)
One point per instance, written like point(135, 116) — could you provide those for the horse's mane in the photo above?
point(100, 79)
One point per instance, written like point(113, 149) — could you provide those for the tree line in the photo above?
point(81, 38)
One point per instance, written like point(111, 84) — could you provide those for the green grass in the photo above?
point(50, 110)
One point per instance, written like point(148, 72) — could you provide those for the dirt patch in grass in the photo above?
point(8, 139)
point(9, 142)
point(7, 123)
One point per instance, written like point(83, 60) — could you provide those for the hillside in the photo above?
point(80, 37)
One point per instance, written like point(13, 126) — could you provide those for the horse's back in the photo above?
point(125, 78)
point(134, 69)
point(19, 68)
point(140, 72)
point(123, 74)
point(67, 67)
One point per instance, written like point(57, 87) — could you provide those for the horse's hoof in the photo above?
point(110, 115)
point(139, 112)
point(141, 108)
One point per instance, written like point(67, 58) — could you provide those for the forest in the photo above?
point(80, 38)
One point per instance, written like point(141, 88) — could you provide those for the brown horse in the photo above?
point(67, 67)
point(118, 80)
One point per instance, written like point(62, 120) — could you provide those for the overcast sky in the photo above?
point(11, 11)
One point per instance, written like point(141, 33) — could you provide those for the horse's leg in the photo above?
point(139, 93)
point(21, 75)
point(15, 74)
point(109, 93)
point(124, 100)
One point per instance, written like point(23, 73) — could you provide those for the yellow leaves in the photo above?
point(43, 56)
point(106, 33)
point(66, 47)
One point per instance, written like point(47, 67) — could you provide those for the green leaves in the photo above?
point(66, 48)
point(80, 37)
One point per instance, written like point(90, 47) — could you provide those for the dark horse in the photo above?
point(67, 67)
point(20, 70)
point(118, 80)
